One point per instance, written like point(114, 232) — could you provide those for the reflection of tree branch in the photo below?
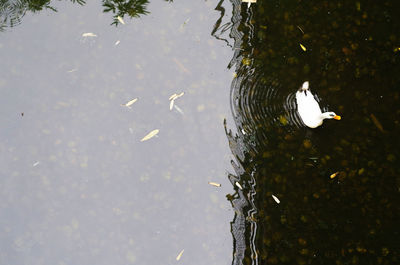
point(12, 11)
point(132, 8)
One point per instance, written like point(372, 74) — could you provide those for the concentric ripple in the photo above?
point(261, 104)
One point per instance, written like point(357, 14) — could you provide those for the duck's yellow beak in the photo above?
point(337, 117)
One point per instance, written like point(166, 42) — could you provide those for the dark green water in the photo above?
point(353, 64)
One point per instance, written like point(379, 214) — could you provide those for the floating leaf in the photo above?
point(300, 30)
point(302, 47)
point(129, 103)
point(334, 175)
point(171, 104)
point(276, 199)
point(117, 42)
point(180, 255)
point(89, 34)
point(150, 135)
point(377, 123)
point(175, 96)
point(249, 2)
point(214, 184)
point(178, 109)
point(238, 185)
point(121, 20)
point(246, 61)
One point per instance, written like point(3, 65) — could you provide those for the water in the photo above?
point(78, 186)
point(338, 185)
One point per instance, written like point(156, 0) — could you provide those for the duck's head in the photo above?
point(330, 115)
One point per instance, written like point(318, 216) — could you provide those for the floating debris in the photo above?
point(72, 70)
point(172, 99)
point(238, 185)
point(171, 104)
point(377, 123)
point(334, 175)
point(121, 20)
point(89, 34)
point(184, 23)
point(129, 103)
point(302, 47)
point(181, 66)
point(249, 2)
point(300, 29)
point(22, 114)
point(150, 135)
point(276, 199)
point(214, 184)
point(36, 163)
point(178, 109)
point(180, 255)
point(117, 42)
point(175, 96)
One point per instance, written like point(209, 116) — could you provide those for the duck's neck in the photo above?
point(325, 115)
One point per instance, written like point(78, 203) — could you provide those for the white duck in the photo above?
point(309, 109)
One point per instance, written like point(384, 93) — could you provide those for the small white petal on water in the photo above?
point(117, 42)
point(36, 163)
point(171, 104)
point(150, 135)
point(214, 184)
point(238, 185)
point(89, 34)
point(129, 103)
point(121, 20)
point(275, 199)
point(180, 255)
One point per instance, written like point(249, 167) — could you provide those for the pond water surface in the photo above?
point(80, 186)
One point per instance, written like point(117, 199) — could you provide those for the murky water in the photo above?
point(78, 186)
point(328, 195)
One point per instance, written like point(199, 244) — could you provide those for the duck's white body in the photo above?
point(309, 109)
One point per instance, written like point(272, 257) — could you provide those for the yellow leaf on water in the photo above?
point(180, 255)
point(150, 135)
point(121, 20)
point(334, 175)
point(214, 184)
point(302, 47)
point(129, 103)
point(246, 61)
